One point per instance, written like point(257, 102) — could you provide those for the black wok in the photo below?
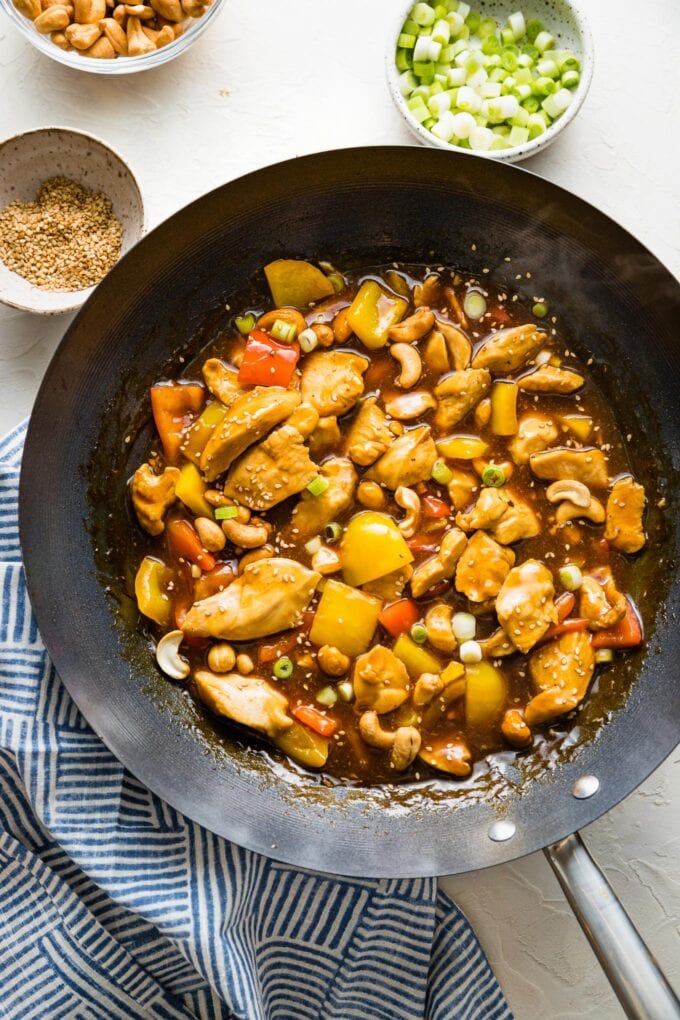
point(373, 205)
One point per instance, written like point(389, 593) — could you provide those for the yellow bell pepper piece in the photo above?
point(303, 746)
point(346, 618)
point(297, 283)
point(462, 447)
point(151, 585)
point(504, 408)
point(372, 546)
point(580, 424)
point(416, 658)
point(486, 693)
point(190, 488)
point(372, 313)
point(201, 431)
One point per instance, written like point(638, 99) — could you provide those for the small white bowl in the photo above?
point(29, 159)
point(563, 18)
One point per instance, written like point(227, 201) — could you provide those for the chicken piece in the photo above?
point(408, 461)
point(222, 381)
point(442, 565)
point(534, 434)
point(508, 349)
point(369, 435)
point(625, 508)
point(277, 468)
point(551, 379)
point(326, 436)
point(152, 496)
point(249, 418)
point(447, 348)
point(313, 513)
point(524, 604)
point(462, 487)
point(502, 513)
point(438, 620)
point(560, 673)
point(600, 602)
point(588, 466)
point(269, 596)
point(491, 505)
point(332, 380)
point(483, 567)
point(497, 645)
point(391, 586)
point(248, 700)
point(457, 394)
point(380, 681)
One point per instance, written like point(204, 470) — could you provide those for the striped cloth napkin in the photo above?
point(115, 907)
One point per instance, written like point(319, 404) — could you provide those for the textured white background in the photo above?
point(275, 79)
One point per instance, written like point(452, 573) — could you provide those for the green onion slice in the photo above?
point(244, 323)
point(225, 513)
point(474, 304)
point(317, 485)
point(283, 668)
point(284, 331)
point(540, 309)
point(570, 576)
point(332, 531)
point(346, 690)
point(440, 473)
point(327, 696)
point(493, 476)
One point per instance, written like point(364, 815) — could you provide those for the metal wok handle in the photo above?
point(632, 971)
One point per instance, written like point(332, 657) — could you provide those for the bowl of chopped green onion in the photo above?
point(494, 80)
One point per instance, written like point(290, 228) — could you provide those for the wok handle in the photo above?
point(632, 971)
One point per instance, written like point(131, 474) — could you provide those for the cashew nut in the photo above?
point(428, 686)
point(569, 488)
point(408, 406)
point(289, 315)
point(171, 10)
point(441, 566)
point(137, 42)
point(244, 664)
point(411, 365)
point(168, 657)
point(60, 40)
point(483, 412)
point(326, 560)
point(413, 328)
point(332, 660)
point(568, 511)
point(221, 657)
point(341, 326)
point(246, 536)
point(89, 12)
point(263, 553)
point(82, 37)
point(405, 747)
point(438, 626)
point(515, 729)
point(141, 11)
point(324, 334)
point(408, 500)
point(210, 534)
point(370, 495)
point(115, 34)
point(54, 19)
point(373, 733)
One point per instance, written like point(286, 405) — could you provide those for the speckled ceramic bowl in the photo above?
point(563, 18)
point(29, 159)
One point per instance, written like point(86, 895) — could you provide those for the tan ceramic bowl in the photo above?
point(26, 161)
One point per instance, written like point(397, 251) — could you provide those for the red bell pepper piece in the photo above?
point(422, 543)
point(316, 721)
point(184, 541)
point(432, 506)
point(566, 627)
point(400, 616)
point(272, 650)
point(499, 316)
point(627, 633)
point(564, 604)
point(266, 362)
point(174, 407)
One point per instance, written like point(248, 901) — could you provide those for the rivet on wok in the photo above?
point(502, 830)
point(585, 787)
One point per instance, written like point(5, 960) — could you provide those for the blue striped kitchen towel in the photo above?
point(115, 907)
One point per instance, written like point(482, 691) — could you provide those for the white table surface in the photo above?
point(276, 79)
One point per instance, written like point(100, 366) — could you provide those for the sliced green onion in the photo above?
point(537, 125)
point(531, 104)
point(283, 668)
point(507, 36)
point(406, 41)
point(327, 696)
point(517, 25)
point(419, 633)
point(487, 27)
point(474, 304)
point(603, 655)
point(332, 531)
point(473, 21)
point(313, 545)
point(464, 626)
point(422, 14)
point(284, 331)
point(548, 67)
point(518, 136)
point(540, 309)
point(318, 485)
point(534, 26)
point(493, 476)
point(404, 62)
point(470, 651)
point(346, 690)
point(570, 577)
point(226, 513)
point(481, 138)
point(308, 340)
point(570, 79)
point(544, 41)
point(440, 473)
point(244, 323)
point(567, 61)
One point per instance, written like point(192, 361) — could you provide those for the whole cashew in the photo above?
point(169, 9)
point(373, 733)
point(411, 365)
point(165, 36)
point(568, 511)
point(89, 12)
point(289, 315)
point(246, 536)
point(168, 657)
point(136, 40)
point(141, 11)
point(60, 40)
point(569, 488)
point(413, 328)
point(341, 327)
point(100, 50)
point(82, 37)
point(408, 500)
point(408, 406)
point(405, 747)
point(438, 626)
point(210, 534)
point(115, 34)
point(54, 19)
point(29, 8)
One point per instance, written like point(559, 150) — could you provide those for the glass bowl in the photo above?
point(195, 27)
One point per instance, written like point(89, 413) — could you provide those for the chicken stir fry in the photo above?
point(382, 535)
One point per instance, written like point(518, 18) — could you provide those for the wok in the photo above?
point(166, 298)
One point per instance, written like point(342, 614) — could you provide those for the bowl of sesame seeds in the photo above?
point(69, 208)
